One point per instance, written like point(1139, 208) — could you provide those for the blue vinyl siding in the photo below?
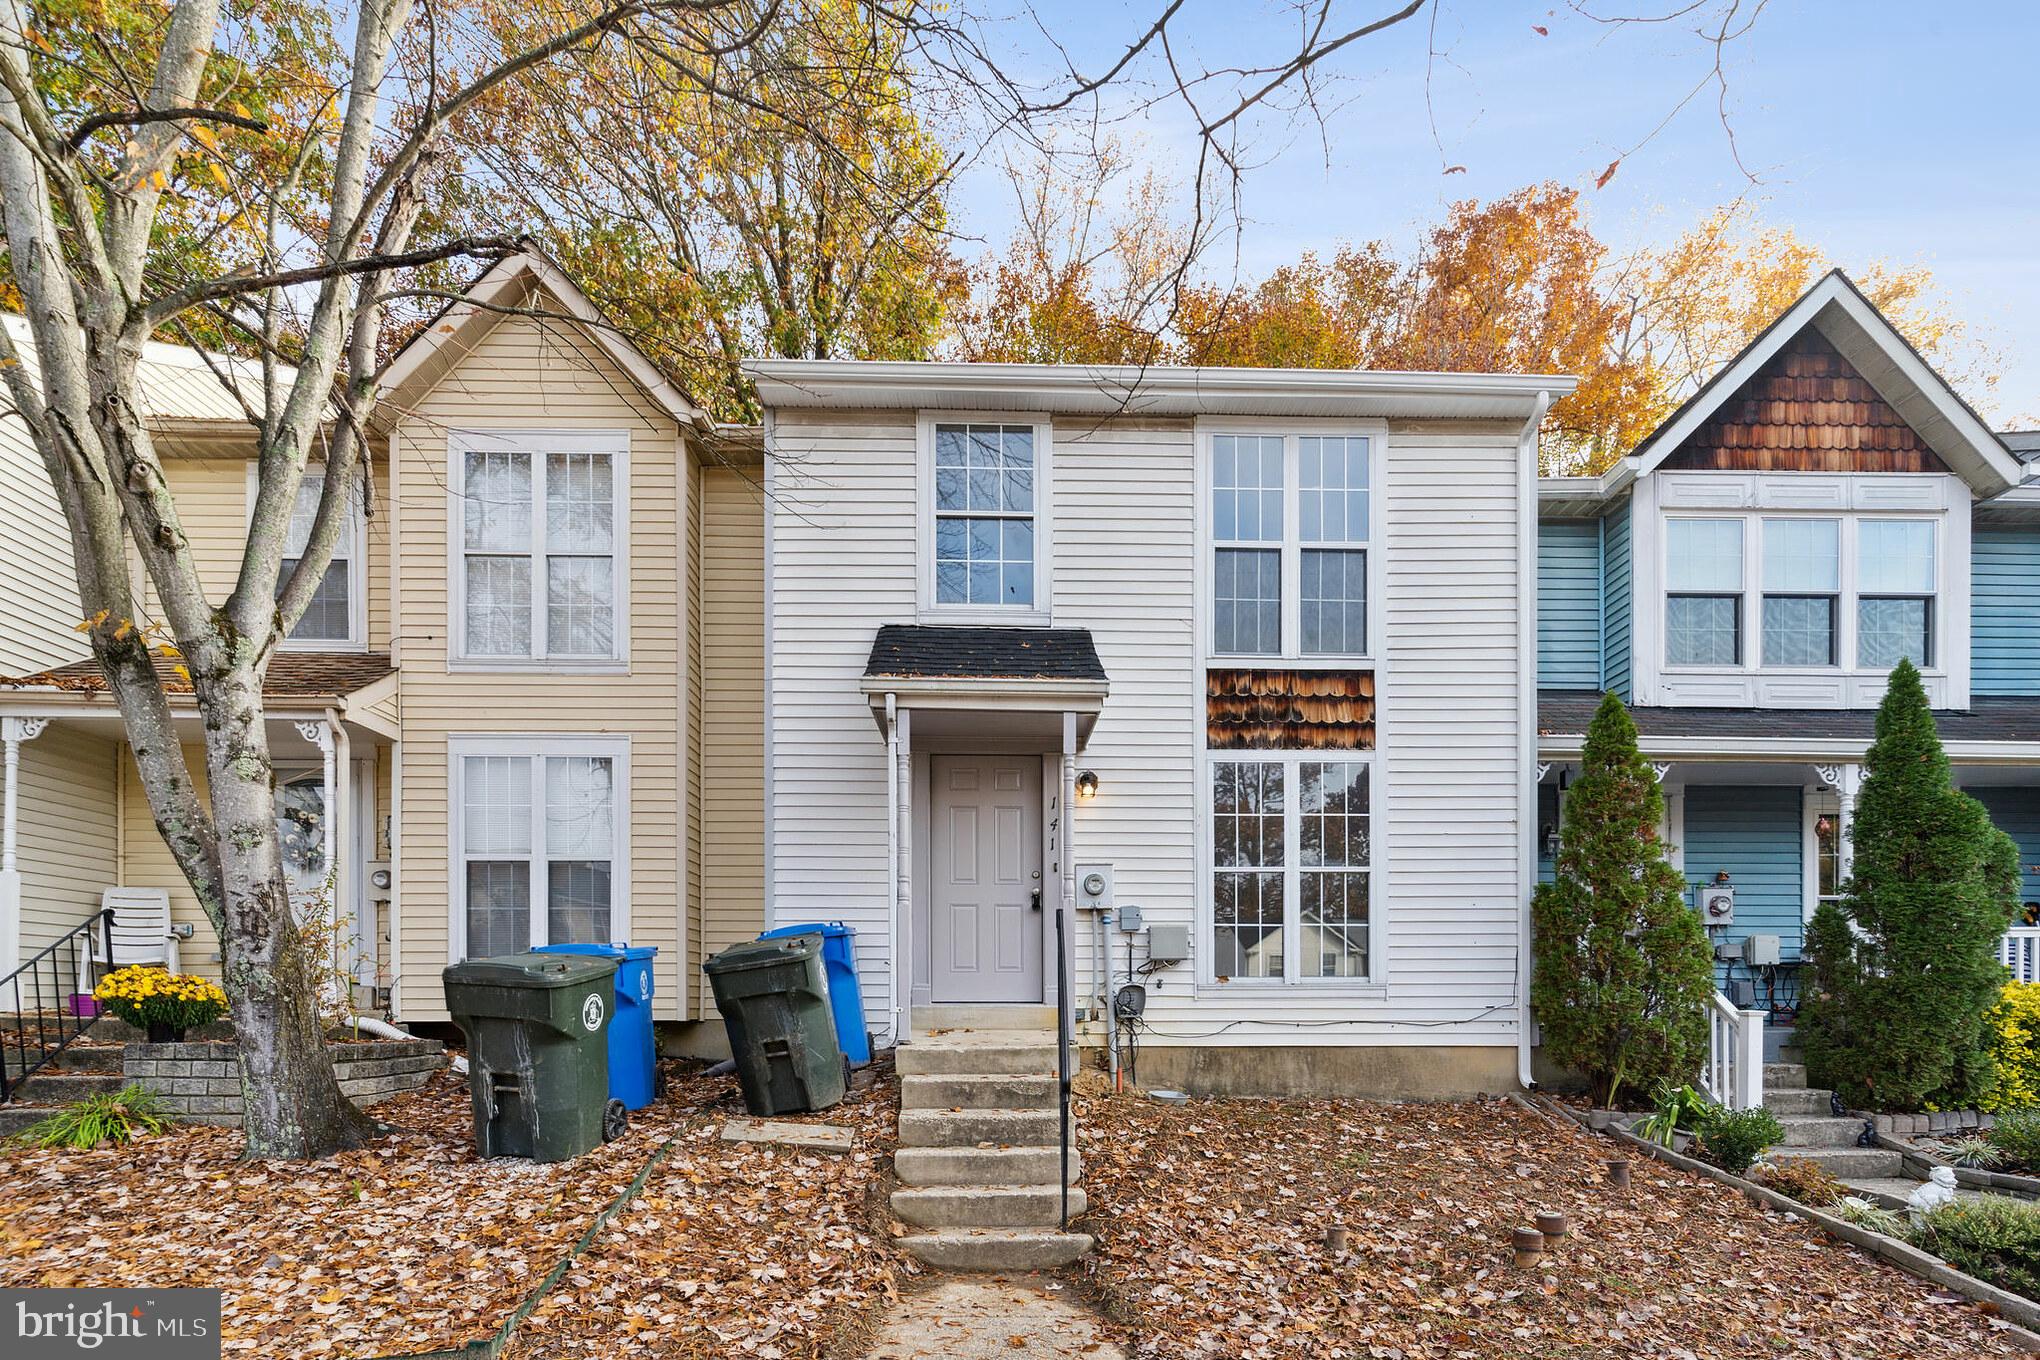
point(1756, 834)
point(2017, 813)
point(1615, 601)
point(2004, 636)
point(1569, 604)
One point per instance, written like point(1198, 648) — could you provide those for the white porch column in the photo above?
point(13, 732)
point(1846, 781)
point(903, 953)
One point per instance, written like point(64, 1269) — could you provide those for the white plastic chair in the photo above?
point(140, 933)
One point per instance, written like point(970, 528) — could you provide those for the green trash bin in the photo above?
point(537, 1028)
point(774, 999)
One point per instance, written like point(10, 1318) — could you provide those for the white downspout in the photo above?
point(1526, 718)
point(892, 844)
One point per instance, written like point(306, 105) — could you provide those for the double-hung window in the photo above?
point(986, 514)
point(1896, 571)
point(1802, 582)
point(1704, 592)
point(540, 829)
point(1291, 523)
point(1291, 866)
point(336, 615)
point(540, 529)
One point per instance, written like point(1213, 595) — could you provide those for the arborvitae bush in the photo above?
point(1623, 965)
point(1904, 969)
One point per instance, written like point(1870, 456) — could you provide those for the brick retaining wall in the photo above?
point(201, 1082)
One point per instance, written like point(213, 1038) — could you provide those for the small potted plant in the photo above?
point(163, 1004)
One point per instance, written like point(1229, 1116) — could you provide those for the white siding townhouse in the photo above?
point(1248, 656)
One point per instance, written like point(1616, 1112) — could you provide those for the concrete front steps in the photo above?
point(1813, 1133)
point(76, 1073)
point(980, 1159)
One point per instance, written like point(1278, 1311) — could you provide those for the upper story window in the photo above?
point(1703, 592)
point(984, 519)
point(1291, 521)
point(1852, 591)
point(984, 515)
point(336, 616)
point(540, 534)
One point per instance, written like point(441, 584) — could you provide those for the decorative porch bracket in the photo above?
point(13, 732)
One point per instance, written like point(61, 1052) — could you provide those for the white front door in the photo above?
point(986, 933)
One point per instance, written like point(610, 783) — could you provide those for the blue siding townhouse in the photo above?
point(1746, 578)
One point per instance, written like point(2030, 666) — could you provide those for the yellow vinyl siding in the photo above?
point(38, 589)
point(533, 374)
point(149, 863)
point(732, 708)
point(692, 725)
point(66, 825)
point(212, 503)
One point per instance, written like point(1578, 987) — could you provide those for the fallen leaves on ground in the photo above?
point(1211, 1221)
point(414, 1243)
point(736, 1249)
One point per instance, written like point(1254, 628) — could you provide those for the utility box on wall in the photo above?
point(1168, 943)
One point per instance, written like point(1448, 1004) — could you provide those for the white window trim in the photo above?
point(1042, 612)
point(1375, 984)
point(1292, 547)
point(537, 443)
point(458, 747)
point(355, 539)
point(1846, 597)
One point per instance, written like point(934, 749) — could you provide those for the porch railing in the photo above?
point(2019, 950)
point(1734, 1075)
point(1065, 1050)
point(36, 999)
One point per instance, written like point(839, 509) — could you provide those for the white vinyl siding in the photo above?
point(1448, 779)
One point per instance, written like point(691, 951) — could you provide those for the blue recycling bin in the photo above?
point(633, 1050)
point(846, 998)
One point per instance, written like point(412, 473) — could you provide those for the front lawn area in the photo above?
point(1211, 1219)
point(414, 1243)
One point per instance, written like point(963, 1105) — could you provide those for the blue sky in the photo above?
point(1877, 130)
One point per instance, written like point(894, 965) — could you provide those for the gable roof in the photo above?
point(434, 350)
point(1885, 359)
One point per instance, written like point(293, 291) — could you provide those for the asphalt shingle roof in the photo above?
point(1567, 712)
point(922, 651)
point(292, 675)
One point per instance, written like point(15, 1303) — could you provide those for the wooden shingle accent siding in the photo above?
point(1807, 410)
point(1256, 710)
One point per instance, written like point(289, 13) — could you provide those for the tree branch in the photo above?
point(99, 122)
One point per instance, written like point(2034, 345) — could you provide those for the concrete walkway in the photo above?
point(991, 1317)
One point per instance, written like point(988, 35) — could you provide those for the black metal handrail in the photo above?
point(1065, 1043)
point(54, 1023)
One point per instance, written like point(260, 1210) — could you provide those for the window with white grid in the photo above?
point(1291, 867)
point(336, 616)
point(540, 530)
point(539, 832)
point(1290, 519)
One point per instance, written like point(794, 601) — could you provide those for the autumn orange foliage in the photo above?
point(1519, 284)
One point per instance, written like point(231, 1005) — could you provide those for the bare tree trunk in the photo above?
point(292, 1105)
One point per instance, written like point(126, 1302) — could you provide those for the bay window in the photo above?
point(538, 831)
point(540, 537)
point(1291, 867)
point(1703, 601)
point(1832, 592)
point(1291, 525)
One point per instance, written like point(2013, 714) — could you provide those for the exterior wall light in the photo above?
point(1087, 786)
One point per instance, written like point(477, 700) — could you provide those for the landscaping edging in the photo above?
point(200, 1083)
point(2021, 1314)
point(1976, 1178)
point(1935, 1125)
point(491, 1346)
